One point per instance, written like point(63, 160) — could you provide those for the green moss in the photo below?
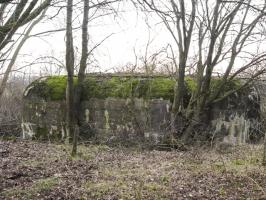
point(126, 87)
point(57, 87)
point(191, 84)
point(53, 88)
point(50, 88)
point(157, 87)
point(162, 88)
point(109, 87)
point(230, 85)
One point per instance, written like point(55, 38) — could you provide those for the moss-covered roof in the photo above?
point(53, 87)
point(110, 85)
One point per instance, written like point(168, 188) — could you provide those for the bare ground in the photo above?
point(31, 170)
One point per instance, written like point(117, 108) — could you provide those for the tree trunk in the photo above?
point(81, 75)
point(180, 89)
point(70, 72)
point(16, 53)
point(189, 132)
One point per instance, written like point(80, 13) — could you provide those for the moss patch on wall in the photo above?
point(157, 87)
point(230, 85)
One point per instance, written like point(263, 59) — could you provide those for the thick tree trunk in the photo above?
point(178, 100)
point(180, 90)
point(193, 122)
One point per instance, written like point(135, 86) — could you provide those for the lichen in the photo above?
point(87, 115)
point(27, 130)
point(106, 116)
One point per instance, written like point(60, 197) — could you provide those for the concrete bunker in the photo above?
point(131, 108)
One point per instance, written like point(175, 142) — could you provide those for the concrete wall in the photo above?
point(103, 119)
point(236, 120)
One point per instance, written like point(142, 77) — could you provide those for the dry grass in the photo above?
point(31, 170)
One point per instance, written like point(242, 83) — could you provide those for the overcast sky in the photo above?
point(129, 31)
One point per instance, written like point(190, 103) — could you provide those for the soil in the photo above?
point(34, 170)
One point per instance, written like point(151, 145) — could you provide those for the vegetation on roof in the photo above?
point(147, 87)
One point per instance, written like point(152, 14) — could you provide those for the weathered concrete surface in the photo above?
point(44, 120)
point(103, 119)
point(239, 118)
point(236, 120)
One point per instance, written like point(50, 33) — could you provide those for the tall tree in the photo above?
point(184, 22)
point(222, 31)
point(81, 73)
point(74, 93)
point(70, 72)
point(223, 41)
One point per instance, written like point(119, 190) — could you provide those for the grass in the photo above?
point(32, 191)
point(84, 152)
point(102, 172)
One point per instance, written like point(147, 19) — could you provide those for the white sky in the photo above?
point(129, 32)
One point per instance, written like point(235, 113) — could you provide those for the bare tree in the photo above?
point(224, 40)
point(12, 17)
point(73, 94)
point(16, 53)
point(222, 30)
point(182, 35)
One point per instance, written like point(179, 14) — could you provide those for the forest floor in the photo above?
point(32, 170)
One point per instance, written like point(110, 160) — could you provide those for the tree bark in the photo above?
point(70, 72)
point(224, 29)
point(81, 74)
point(21, 16)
